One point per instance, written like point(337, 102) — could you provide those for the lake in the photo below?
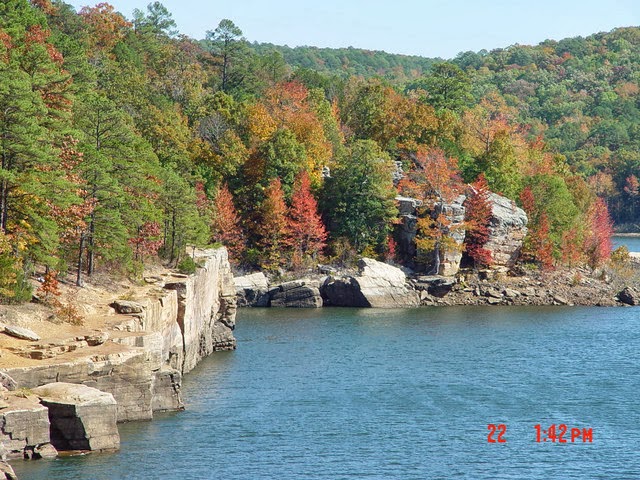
point(399, 394)
point(632, 243)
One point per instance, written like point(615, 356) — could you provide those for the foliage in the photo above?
point(477, 216)
point(187, 266)
point(307, 233)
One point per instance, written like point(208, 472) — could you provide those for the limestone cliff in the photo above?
point(141, 356)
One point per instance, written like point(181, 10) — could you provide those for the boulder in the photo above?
point(127, 307)
point(507, 229)
point(6, 382)
point(252, 290)
point(24, 426)
point(296, 294)
point(629, 296)
point(81, 417)
point(21, 333)
point(378, 285)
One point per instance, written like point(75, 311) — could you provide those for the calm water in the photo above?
point(403, 394)
point(632, 243)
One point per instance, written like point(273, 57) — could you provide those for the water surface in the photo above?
point(632, 243)
point(400, 394)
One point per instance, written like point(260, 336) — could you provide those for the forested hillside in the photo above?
point(123, 141)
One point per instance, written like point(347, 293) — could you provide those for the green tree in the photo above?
point(447, 87)
point(227, 43)
point(358, 198)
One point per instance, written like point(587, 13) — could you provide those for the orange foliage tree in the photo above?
point(598, 240)
point(272, 228)
point(477, 216)
point(226, 224)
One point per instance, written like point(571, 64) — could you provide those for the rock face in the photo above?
point(453, 211)
point(378, 285)
point(206, 307)
point(81, 417)
point(24, 426)
point(507, 229)
point(297, 294)
point(252, 290)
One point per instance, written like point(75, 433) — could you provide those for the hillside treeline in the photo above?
point(123, 141)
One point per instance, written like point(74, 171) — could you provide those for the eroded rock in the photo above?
point(252, 290)
point(81, 417)
point(507, 229)
point(629, 296)
point(127, 307)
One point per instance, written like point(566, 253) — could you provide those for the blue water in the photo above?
point(402, 394)
point(632, 243)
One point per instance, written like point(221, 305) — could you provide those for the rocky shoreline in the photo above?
point(71, 392)
point(380, 285)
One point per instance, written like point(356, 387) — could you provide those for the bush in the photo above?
point(187, 266)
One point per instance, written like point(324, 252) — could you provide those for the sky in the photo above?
point(431, 28)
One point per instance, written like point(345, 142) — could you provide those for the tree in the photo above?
point(447, 87)
point(598, 241)
point(358, 198)
point(227, 43)
point(273, 229)
point(307, 232)
point(477, 215)
point(226, 224)
point(158, 20)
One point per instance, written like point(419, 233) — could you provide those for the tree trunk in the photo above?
point(90, 251)
point(80, 252)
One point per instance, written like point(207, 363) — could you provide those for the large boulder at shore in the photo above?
point(24, 426)
point(252, 290)
point(378, 285)
point(81, 417)
point(507, 229)
point(297, 294)
point(629, 296)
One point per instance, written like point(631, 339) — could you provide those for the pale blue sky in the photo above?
point(429, 27)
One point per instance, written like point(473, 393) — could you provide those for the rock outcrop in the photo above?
point(629, 296)
point(507, 229)
point(252, 290)
point(297, 294)
point(21, 333)
point(162, 337)
point(454, 211)
point(378, 285)
point(81, 417)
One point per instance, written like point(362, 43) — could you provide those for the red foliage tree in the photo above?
point(478, 214)
point(307, 233)
point(147, 241)
point(226, 224)
point(598, 241)
point(272, 228)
